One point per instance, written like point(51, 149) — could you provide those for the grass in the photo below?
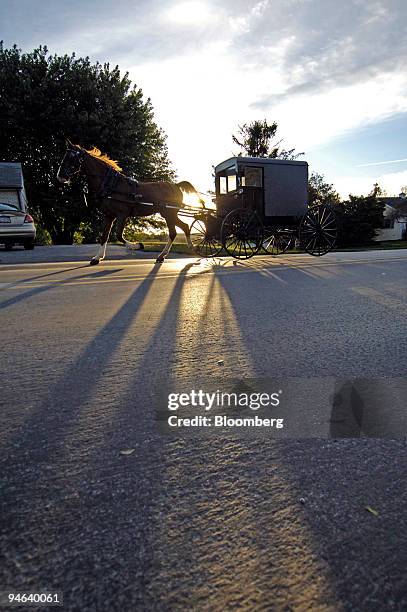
point(157, 247)
point(384, 245)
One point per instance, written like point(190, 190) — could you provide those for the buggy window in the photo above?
point(228, 181)
point(232, 182)
point(253, 177)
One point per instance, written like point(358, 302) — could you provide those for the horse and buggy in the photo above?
point(260, 204)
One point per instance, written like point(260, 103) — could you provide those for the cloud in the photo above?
point(391, 182)
point(313, 45)
point(320, 117)
point(122, 30)
point(382, 163)
point(331, 44)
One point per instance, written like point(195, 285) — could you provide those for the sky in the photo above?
point(332, 74)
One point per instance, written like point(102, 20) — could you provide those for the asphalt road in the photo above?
point(204, 519)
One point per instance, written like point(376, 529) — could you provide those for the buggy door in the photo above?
point(252, 182)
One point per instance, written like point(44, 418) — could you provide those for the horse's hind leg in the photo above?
point(136, 246)
point(186, 230)
point(103, 241)
point(172, 232)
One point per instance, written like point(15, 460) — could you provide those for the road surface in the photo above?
point(309, 517)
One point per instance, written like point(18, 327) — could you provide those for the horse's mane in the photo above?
point(95, 152)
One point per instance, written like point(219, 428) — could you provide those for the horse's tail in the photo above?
point(189, 188)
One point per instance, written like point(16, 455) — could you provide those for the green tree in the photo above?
point(359, 217)
point(377, 191)
point(46, 98)
point(321, 192)
point(257, 139)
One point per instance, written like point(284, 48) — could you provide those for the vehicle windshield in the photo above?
point(4, 206)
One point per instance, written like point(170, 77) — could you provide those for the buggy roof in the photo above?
point(257, 161)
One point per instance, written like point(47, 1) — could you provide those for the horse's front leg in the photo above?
point(103, 241)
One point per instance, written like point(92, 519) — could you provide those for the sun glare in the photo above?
point(191, 199)
point(189, 13)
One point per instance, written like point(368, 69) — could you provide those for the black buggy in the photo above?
point(262, 203)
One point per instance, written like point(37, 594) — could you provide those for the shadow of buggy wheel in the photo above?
point(205, 236)
point(277, 240)
point(318, 230)
point(242, 233)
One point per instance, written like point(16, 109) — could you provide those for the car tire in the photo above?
point(29, 245)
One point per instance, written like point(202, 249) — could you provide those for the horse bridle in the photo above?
point(78, 155)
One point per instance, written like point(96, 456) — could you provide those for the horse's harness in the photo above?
point(110, 182)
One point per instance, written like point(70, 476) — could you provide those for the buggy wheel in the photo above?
point(204, 236)
point(318, 230)
point(242, 233)
point(277, 240)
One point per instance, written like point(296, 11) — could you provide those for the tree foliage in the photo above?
point(258, 139)
point(321, 192)
point(45, 99)
point(377, 191)
point(359, 218)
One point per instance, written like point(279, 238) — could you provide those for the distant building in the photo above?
point(394, 218)
point(12, 185)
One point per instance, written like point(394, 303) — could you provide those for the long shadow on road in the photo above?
point(43, 288)
point(86, 502)
point(216, 532)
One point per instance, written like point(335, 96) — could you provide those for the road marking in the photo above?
point(380, 298)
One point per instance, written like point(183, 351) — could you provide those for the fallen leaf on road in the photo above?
point(127, 451)
point(372, 510)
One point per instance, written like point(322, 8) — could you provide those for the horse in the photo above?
point(120, 197)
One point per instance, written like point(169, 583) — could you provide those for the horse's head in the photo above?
point(71, 163)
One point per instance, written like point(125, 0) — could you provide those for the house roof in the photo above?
point(11, 175)
point(401, 207)
point(399, 204)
